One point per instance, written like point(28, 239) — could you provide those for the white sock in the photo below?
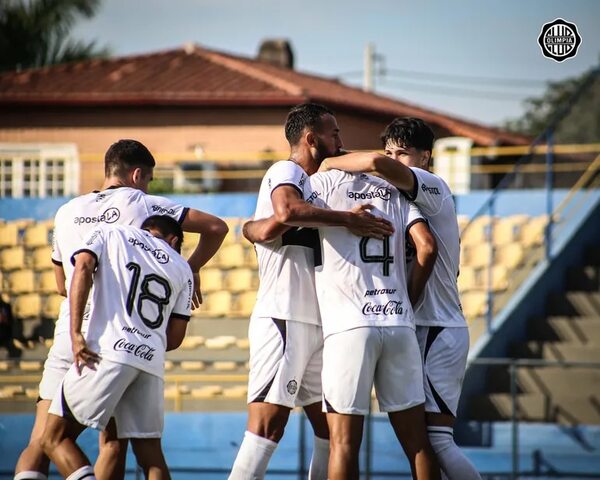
point(320, 460)
point(453, 462)
point(253, 458)
point(86, 472)
point(30, 475)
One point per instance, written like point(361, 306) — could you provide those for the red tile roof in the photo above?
point(196, 76)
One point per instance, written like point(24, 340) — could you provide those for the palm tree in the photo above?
point(34, 33)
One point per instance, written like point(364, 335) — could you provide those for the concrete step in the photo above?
point(578, 330)
point(586, 278)
point(574, 303)
point(558, 351)
point(547, 380)
point(563, 409)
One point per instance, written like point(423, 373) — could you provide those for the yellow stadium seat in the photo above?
point(12, 258)
point(4, 366)
point(225, 366)
point(241, 280)
point(36, 235)
point(52, 305)
point(499, 280)
point(9, 235)
point(169, 365)
point(477, 231)
point(474, 304)
point(21, 281)
point(191, 365)
point(511, 255)
point(231, 256)
point(467, 279)
point(244, 304)
point(242, 343)
point(211, 279)
point(216, 304)
point(207, 391)
point(237, 391)
point(32, 393)
point(219, 343)
point(462, 221)
point(190, 342)
point(30, 365)
point(532, 232)
point(46, 282)
point(508, 229)
point(190, 242)
point(27, 305)
point(41, 258)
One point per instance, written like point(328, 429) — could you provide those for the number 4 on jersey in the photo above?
point(384, 258)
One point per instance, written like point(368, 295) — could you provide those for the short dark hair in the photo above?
point(124, 155)
point(410, 132)
point(306, 115)
point(166, 226)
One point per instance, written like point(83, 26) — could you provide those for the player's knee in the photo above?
point(114, 448)
point(48, 442)
point(270, 428)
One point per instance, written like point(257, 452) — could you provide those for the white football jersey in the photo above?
point(140, 281)
point(440, 303)
point(362, 281)
point(73, 221)
point(286, 265)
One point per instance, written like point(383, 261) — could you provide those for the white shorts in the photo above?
point(286, 358)
point(135, 398)
point(444, 353)
point(355, 359)
point(56, 366)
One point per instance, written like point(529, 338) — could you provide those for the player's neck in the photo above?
point(113, 182)
point(302, 159)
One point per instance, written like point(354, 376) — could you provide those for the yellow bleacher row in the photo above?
point(174, 391)
point(230, 279)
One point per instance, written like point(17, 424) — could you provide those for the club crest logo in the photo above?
point(292, 387)
point(559, 40)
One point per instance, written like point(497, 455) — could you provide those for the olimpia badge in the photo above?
point(559, 40)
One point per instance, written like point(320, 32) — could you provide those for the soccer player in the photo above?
point(122, 200)
point(139, 309)
point(368, 325)
point(285, 332)
point(441, 326)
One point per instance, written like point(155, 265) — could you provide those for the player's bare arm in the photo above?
point(393, 171)
point(290, 209)
point(421, 238)
point(175, 332)
point(61, 279)
point(81, 285)
point(263, 230)
point(212, 232)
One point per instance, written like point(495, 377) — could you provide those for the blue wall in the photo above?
point(532, 202)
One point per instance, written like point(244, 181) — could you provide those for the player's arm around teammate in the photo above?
point(290, 210)
point(423, 242)
point(212, 232)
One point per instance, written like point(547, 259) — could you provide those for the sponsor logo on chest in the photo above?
point(143, 351)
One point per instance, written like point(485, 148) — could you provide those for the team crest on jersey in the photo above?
point(292, 387)
point(93, 237)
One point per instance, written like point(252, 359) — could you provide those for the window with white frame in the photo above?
point(38, 170)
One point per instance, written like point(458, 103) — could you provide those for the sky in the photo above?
point(475, 59)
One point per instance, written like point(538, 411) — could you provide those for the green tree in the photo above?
point(581, 123)
point(34, 33)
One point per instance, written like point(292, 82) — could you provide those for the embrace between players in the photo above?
point(348, 263)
